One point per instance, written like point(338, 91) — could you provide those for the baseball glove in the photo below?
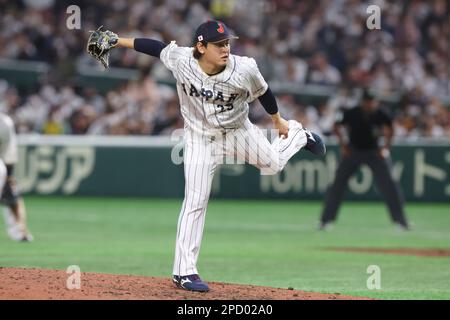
point(99, 43)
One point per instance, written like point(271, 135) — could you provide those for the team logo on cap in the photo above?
point(200, 38)
point(221, 28)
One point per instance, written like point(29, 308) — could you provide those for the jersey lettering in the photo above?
point(194, 91)
point(184, 88)
point(233, 97)
point(209, 94)
point(219, 97)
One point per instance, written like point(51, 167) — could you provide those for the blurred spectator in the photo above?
point(81, 119)
point(298, 43)
point(168, 117)
point(321, 72)
point(54, 124)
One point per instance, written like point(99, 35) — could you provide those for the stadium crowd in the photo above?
point(301, 43)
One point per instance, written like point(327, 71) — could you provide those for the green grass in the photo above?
point(271, 243)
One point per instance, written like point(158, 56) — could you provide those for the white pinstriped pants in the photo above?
point(202, 155)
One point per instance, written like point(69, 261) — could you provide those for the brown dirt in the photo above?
point(40, 284)
point(401, 251)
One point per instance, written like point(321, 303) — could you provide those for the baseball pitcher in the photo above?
point(214, 88)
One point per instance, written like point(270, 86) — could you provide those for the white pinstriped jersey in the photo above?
point(210, 104)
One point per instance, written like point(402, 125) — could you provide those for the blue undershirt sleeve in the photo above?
point(149, 46)
point(268, 102)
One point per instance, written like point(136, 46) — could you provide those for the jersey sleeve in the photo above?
point(254, 82)
point(172, 54)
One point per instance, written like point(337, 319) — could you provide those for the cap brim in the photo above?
point(224, 38)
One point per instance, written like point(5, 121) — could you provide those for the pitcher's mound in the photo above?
point(42, 284)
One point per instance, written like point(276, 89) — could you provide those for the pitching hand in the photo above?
point(281, 125)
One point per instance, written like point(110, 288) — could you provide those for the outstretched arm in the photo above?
point(148, 46)
point(101, 41)
point(125, 43)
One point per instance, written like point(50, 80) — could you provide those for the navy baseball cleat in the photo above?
point(314, 143)
point(190, 282)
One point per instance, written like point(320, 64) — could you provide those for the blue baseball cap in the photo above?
point(212, 31)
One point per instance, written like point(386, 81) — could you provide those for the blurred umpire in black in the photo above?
point(365, 125)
